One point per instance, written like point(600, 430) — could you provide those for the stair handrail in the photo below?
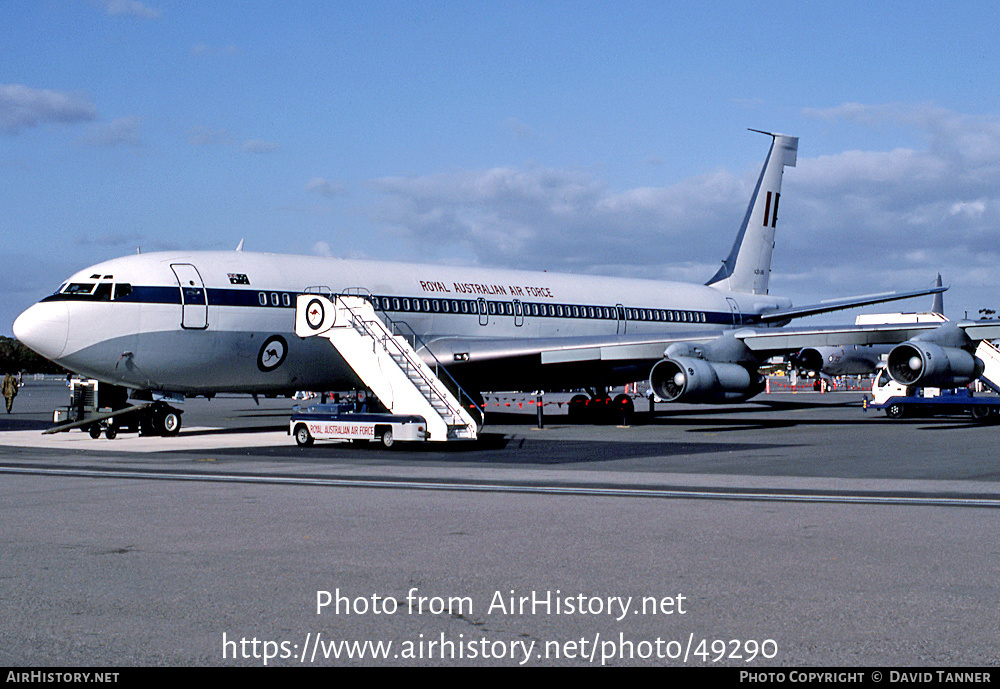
point(465, 400)
point(380, 337)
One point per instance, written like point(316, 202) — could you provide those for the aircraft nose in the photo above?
point(44, 328)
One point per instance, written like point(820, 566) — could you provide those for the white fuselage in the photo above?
point(205, 322)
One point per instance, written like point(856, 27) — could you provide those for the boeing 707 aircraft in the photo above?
point(223, 321)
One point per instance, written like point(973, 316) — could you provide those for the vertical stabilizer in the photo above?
point(748, 267)
point(937, 306)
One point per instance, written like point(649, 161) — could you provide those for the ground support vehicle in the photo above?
point(900, 401)
point(105, 409)
point(343, 422)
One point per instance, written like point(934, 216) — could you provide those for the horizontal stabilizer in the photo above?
point(840, 304)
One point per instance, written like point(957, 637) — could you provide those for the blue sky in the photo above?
point(588, 137)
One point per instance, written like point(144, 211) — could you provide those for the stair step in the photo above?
point(379, 341)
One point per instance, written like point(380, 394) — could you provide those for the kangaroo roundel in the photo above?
point(272, 353)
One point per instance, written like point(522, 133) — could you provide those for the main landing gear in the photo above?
point(600, 408)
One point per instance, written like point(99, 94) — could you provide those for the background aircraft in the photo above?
point(860, 360)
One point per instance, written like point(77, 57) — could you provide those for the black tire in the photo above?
point(387, 439)
point(624, 408)
point(577, 408)
point(111, 432)
point(895, 411)
point(979, 412)
point(95, 430)
point(303, 438)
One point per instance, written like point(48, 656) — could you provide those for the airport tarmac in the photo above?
point(796, 529)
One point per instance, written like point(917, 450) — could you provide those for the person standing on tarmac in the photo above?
point(9, 390)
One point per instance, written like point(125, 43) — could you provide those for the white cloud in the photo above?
point(325, 187)
point(553, 219)
point(130, 8)
point(323, 249)
point(259, 146)
point(855, 222)
point(22, 107)
point(207, 136)
point(517, 129)
point(123, 131)
point(201, 49)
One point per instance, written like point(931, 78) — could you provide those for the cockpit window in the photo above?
point(90, 291)
point(122, 290)
point(80, 288)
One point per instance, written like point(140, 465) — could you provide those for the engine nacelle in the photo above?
point(688, 379)
point(850, 360)
point(808, 359)
point(916, 362)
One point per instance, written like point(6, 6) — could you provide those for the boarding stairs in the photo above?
point(990, 354)
point(388, 364)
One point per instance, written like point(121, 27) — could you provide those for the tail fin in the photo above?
point(748, 267)
point(937, 306)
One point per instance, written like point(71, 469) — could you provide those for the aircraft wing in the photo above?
point(780, 340)
point(840, 304)
point(766, 341)
point(557, 350)
point(528, 363)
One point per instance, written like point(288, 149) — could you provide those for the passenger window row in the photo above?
point(506, 308)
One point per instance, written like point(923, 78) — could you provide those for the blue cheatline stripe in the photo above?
point(152, 294)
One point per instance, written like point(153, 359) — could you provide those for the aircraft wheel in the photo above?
point(895, 411)
point(979, 412)
point(111, 432)
point(95, 430)
point(303, 438)
point(170, 422)
point(624, 408)
point(578, 408)
point(387, 439)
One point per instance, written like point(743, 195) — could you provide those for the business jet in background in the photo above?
point(204, 322)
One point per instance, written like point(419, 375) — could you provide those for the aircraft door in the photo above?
point(622, 323)
point(484, 317)
point(194, 298)
point(518, 313)
point(735, 308)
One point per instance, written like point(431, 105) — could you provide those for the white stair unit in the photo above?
point(386, 363)
point(990, 354)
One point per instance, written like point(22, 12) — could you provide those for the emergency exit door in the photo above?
point(194, 299)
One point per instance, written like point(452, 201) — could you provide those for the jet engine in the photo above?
point(809, 359)
point(918, 362)
point(849, 360)
point(689, 379)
